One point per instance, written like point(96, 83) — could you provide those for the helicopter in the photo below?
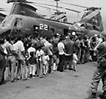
point(23, 20)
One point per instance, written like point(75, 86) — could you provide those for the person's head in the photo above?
point(96, 35)
point(32, 54)
point(74, 52)
point(99, 36)
point(18, 38)
point(2, 41)
point(80, 37)
point(8, 39)
point(85, 37)
point(52, 30)
point(62, 38)
point(73, 33)
point(94, 39)
point(67, 37)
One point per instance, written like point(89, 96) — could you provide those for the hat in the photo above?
point(67, 37)
point(73, 33)
point(95, 35)
point(58, 34)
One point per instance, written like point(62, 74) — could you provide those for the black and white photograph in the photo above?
point(52, 49)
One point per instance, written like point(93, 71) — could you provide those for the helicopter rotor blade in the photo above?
point(74, 5)
point(22, 1)
point(10, 1)
point(72, 10)
point(2, 9)
point(58, 7)
point(46, 7)
point(93, 8)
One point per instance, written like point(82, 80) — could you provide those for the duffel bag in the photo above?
point(103, 62)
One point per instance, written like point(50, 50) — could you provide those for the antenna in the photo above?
point(57, 5)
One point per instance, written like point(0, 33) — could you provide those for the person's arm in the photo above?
point(75, 57)
point(2, 51)
point(22, 49)
point(97, 46)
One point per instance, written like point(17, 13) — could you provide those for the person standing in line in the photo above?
point(75, 60)
point(45, 63)
point(2, 61)
point(86, 49)
point(48, 47)
point(82, 46)
point(32, 64)
point(69, 48)
point(77, 48)
point(55, 41)
point(11, 60)
point(39, 58)
point(20, 50)
point(61, 50)
point(93, 44)
point(32, 61)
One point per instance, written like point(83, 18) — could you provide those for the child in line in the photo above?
point(32, 65)
point(32, 61)
point(45, 63)
point(75, 60)
point(39, 57)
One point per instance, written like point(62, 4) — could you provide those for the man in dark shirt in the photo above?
point(2, 61)
point(69, 48)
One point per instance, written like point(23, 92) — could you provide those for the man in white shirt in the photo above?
point(20, 49)
point(31, 49)
point(61, 49)
point(11, 61)
point(48, 47)
point(39, 57)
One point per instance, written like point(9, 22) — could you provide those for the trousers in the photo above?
point(32, 68)
point(98, 75)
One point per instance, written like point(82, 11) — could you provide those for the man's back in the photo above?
point(19, 46)
point(61, 48)
point(69, 46)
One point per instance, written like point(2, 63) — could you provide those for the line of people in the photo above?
point(30, 57)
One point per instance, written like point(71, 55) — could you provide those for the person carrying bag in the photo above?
point(100, 71)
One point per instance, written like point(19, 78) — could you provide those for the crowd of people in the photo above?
point(31, 57)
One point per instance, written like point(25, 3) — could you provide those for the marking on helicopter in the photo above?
point(43, 27)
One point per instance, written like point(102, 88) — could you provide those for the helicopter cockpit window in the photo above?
point(18, 22)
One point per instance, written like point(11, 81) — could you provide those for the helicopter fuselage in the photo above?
point(27, 25)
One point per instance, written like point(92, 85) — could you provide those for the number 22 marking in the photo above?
point(43, 27)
